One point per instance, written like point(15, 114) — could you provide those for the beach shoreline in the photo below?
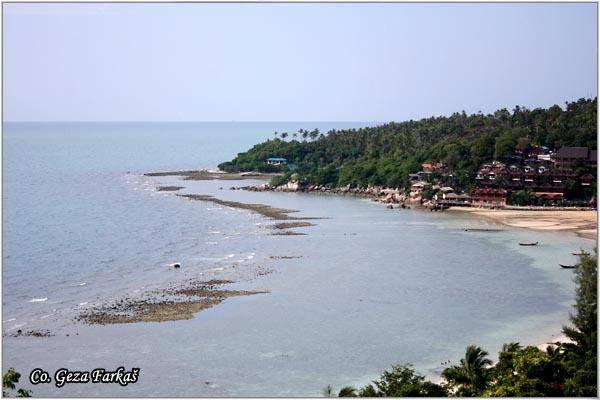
point(581, 223)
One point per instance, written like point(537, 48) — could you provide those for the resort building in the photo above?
point(587, 179)
point(566, 156)
point(488, 197)
point(417, 188)
point(548, 196)
point(276, 161)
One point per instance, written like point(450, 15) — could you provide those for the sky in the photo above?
point(292, 62)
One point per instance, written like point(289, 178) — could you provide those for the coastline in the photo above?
point(581, 223)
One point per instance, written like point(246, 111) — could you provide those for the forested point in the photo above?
point(386, 154)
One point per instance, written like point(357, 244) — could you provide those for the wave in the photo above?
point(38, 300)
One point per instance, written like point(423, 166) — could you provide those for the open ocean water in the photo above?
point(372, 287)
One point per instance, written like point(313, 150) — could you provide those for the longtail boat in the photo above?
point(567, 266)
point(528, 244)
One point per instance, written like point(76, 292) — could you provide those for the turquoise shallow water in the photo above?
point(373, 286)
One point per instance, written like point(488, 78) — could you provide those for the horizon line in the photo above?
point(179, 121)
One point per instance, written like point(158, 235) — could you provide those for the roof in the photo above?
point(483, 191)
point(548, 195)
point(572, 152)
point(593, 155)
point(276, 159)
point(421, 184)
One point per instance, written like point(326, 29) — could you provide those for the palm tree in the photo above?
point(328, 391)
point(510, 347)
point(314, 133)
point(304, 134)
point(284, 135)
point(347, 391)
point(471, 377)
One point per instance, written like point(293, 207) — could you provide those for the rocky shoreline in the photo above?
point(394, 198)
point(171, 304)
point(279, 214)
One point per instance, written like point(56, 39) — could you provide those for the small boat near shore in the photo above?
point(528, 243)
point(579, 254)
point(482, 230)
point(567, 266)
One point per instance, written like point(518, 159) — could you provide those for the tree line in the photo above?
point(387, 154)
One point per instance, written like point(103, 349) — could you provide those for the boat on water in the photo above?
point(567, 266)
point(482, 230)
point(528, 244)
point(578, 254)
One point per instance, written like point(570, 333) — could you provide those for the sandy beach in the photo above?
point(582, 223)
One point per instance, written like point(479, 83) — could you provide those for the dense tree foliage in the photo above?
point(563, 369)
point(386, 154)
point(9, 383)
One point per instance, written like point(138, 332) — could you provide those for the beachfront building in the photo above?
point(558, 196)
point(417, 188)
point(587, 179)
point(488, 197)
point(276, 161)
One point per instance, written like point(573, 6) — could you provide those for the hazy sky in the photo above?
point(294, 62)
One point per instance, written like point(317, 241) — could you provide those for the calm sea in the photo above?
point(371, 287)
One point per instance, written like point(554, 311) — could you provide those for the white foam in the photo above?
point(83, 304)
point(10, 320)
point(38, 300)
point(82, 284)
point(231, 255)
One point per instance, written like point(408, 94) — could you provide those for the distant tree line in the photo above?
point(387, 154)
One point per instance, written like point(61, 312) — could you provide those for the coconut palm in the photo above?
point(328, 391)
point(347, 391)
point(471, 376)
point(304, 134)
